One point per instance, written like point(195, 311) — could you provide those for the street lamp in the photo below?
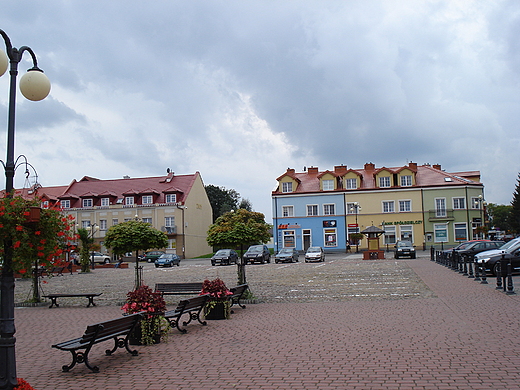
point(35, 86)
point(355, 208)
point(479, 203)
point(91, 231)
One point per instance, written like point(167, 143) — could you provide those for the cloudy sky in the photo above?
point(242, 90)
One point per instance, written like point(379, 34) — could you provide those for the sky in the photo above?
point(242, 90)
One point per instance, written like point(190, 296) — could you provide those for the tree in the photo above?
point(499, 215)
point(514, 217)
point(86, 243)
point(238, 228)
point(134, 236)
point(223, 201)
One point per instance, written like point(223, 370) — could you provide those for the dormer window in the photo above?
point(147, 199)
point(65, 203)
point(287, 186)
point(129, 200)
point(88, 202)
point(406, 181)
point(105, 201)
point(327, 185)
point(171, 198)
point(351, 184)
point(384, 181)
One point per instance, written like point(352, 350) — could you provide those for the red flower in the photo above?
point(19, 228)
point(37, 232)
point(23, 271)
point(17, 244)
point(41, 254)
point(26, 213)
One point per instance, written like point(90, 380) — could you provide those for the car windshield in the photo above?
point(402, 244)
point(313, 250)
point(285, 252)
point(166, 256)
point(222, 252)
point(464, 245)
point(255, 249)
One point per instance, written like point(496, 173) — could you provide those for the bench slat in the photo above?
point(178, 288)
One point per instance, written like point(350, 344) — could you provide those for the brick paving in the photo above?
point(342, 324)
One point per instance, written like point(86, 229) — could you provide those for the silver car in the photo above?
point(314, 253)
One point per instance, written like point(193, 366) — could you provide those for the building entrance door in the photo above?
point(306, 239)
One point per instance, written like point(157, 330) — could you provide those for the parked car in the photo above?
point(404, 249)
point(151, 256)
point(100, 257)
point(257, 253)
point(510, 250)
point(471, 248)
point(314, 253)
point(168, 260)
point(289, 255)
point(225, 257)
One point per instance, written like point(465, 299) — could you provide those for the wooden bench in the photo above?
point(178, 288)
point(56, 270)
point(90, 296)
point(191, 306)
point(238, 291)
point(117, 329)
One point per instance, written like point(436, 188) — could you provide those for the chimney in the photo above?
point(340, 169)
point(370, 166)
point(437, 166)
point(412, 165)
point(290, 170)
point(312, 170)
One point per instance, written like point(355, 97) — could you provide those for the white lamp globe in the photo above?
point(4, 62)
point(34, 85)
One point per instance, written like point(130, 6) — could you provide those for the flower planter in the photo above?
point(135, 336)
point(217, 312)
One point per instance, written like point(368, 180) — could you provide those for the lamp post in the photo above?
point(92, 230)
point(479, 203)
point(355, 208)
point(35, 86)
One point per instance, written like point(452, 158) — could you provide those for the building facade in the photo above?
point(422, 204)
point(175, 204)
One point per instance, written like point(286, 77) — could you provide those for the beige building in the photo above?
point(175, 204)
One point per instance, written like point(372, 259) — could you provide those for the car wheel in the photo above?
point(213, 263)
point(495, 268)
point(156, 266)
point(107, 261)
point(414, 256)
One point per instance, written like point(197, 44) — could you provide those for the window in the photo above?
point(147, 199)
point(103, 224)
point(389, 234)
point(327, 185)
point(45, 204)
point(87, 202)
point(289, 239)
point(331, 238)
point(440, 207)
point(169, 221)
point(406, 232)
point(459, 203)
point(105, 201)
point(329, 209)
point(287, 186)
point(85, 224)
point(351, 184)
point(312, 210)
point(147, 220)
point(172, 244)
point(475, 203)
point(405, 206)
point(384, 181)
point(388, 206)
point(441, 232)
point(406, 181)
point(288, 211)
point(461, 233)
point(171, 198)
point(65, 204)
point(129, 200)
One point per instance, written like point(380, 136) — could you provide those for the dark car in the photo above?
point(404, 249)
point(473, 247)
point(225, 257)
point(288, 255)
point(510, 250)
point(314, 253)
point(257, 253)
point(152, 256)
point(168, 260)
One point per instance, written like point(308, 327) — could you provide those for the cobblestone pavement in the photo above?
point(341, 277)
point(342, 324)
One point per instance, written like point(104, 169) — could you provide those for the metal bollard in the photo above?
point(483, 271)
point(476, 268)
point(499, 275)
point(510, 287)
point(469, 260)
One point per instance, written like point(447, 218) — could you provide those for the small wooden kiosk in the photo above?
point(373, 253)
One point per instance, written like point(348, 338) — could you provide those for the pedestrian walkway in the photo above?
point(463, 335)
